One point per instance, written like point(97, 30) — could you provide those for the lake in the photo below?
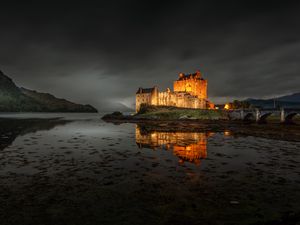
point(79, 169)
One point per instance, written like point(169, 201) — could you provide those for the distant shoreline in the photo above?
point(170, 114)
point(238, 128)
point(175, 114)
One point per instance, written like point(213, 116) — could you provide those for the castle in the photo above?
point(190, 91)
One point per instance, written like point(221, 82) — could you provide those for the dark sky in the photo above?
point(101, 53)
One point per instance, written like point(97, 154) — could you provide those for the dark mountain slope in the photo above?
point(15, 99)
point(290, 98)
point(287, 101)
point(55, 104)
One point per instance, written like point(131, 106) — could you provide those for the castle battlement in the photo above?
point(189, 91)
point(197, 75)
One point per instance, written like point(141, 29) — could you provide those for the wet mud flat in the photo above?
point(92, 172)
point(10, 128)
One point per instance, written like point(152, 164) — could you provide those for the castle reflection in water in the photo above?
point(187, 146)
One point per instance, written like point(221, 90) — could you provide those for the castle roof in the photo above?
point(196, 75)
point(144, 90)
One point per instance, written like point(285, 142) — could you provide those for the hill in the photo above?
point(290, 98)
point(287, 101)
point(15, 99)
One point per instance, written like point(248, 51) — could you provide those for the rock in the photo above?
point(183, 117)
point(113, 116)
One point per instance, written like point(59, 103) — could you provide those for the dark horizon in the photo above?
point(100, 54)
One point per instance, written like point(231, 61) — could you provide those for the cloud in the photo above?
point(100, 54)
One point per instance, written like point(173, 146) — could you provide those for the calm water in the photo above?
point(82, 170)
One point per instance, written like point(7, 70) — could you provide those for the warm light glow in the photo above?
point(153, 135)
point(188, 88)
point(189, 91)
point(227, 133)
point(187, 146)
point(227, 106)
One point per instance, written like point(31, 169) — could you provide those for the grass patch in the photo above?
point(173, 113)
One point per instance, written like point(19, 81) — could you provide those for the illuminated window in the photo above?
point(188, 87)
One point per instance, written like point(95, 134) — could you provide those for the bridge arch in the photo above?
point(289, 117)
point(263, 117)
point(249, 116)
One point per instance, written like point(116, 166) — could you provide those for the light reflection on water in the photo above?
point(86, 137)
point(187, 146)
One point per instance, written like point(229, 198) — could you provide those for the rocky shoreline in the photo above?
point(169, 114)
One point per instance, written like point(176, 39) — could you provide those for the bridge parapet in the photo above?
point(260, 115)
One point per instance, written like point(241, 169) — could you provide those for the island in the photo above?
point(167, 113)
point(188, 101)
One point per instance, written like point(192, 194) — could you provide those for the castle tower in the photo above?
point(193, 83)
point(147, 96)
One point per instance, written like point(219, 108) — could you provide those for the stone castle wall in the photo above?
point(180, 99)
point(196, 87)
point(143, 98)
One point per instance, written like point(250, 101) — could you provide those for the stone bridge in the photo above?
point(260, 115)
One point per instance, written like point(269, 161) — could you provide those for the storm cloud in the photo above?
point(100, 54)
